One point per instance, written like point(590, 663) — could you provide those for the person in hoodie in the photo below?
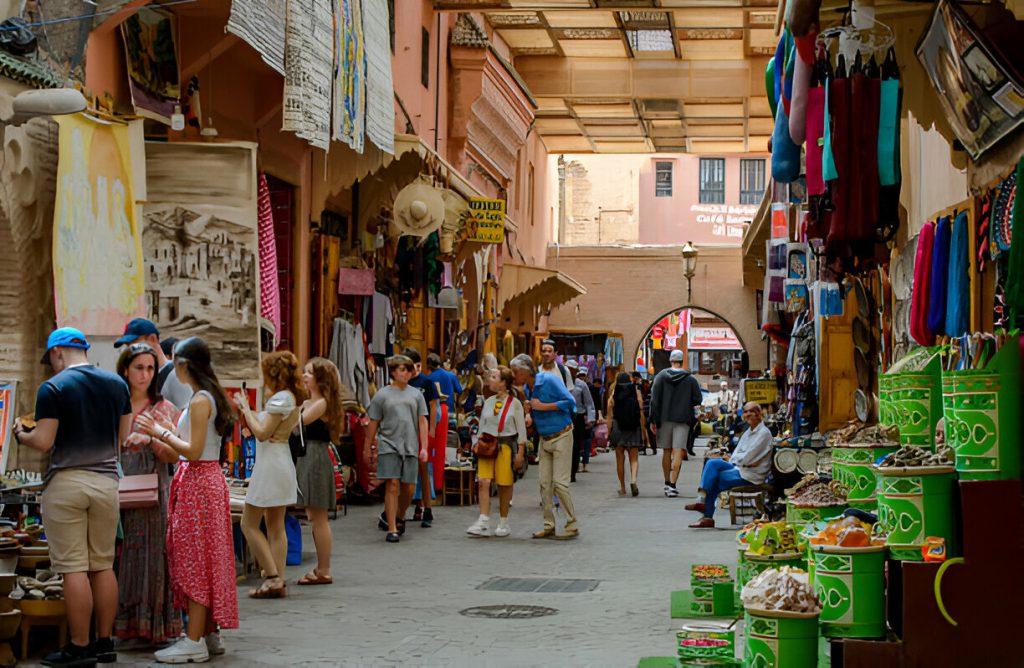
point(673, 397)
point(749, 464)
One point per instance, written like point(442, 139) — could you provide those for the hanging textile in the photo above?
point(958, 290)
point(1014, 289)
point(349, 92)
point(348, 354)
point(1002, 215)
point(380, 90)
point(270, 293)
point(308, 60)
point(940, 269)
point(984, 224)
point(613, 351)
point(919, 296)
point(382, 330)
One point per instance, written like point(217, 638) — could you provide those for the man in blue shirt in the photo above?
point(551, 409)
point(448, 382)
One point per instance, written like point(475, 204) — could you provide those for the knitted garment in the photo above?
point(922, 286)
point(958, 284)
point(940, 269)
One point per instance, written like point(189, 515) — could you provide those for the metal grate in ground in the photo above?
point(540, 585)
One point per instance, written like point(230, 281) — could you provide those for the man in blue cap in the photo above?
point(82, 415)
point(173, 390)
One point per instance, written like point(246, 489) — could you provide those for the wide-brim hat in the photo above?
point(419, 210)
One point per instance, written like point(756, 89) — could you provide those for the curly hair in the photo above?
point(335, 393)
point(281, 371)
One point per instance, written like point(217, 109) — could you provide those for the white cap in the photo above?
point(676, 356)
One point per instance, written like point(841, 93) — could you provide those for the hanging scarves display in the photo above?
point(270, 294)
point(937, 293)
point(919, 296)
point(1014, 289)
point(958, 290)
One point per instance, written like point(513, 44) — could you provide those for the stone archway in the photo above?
point(698, 314)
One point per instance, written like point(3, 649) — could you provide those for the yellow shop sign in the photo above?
point(486, 220)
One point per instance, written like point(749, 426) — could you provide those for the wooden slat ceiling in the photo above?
point(640, 76)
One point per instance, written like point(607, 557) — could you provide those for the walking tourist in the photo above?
point(749, 465)
point(82, 414)
point(448, 384)
point(503, 419)
point(424, 493)
point(323, 419)
point(449, 388)
point(626, 408)
point(272, 487)
point(170, 388)
point(396, 442)
point(200, 552)
point(583, 419)
point(726, 398)
point(146, 611)
point(549, 363)
point(551, 408)
point(650, 440)
point(673, 397)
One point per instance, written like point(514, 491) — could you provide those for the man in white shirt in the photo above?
point(749, 465)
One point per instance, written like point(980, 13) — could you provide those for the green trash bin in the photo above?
point(853, 465)
point(913, 504)
point(779, 639)
point(850, 583)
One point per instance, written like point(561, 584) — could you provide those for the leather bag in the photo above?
point(139, 491)
point(487, 445)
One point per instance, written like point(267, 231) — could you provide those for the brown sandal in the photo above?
point(265, 590)
point(314, 578)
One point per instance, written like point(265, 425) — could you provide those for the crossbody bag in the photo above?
point(487, 444)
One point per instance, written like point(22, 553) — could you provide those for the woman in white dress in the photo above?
point(272, 487)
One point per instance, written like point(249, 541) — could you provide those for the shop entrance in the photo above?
point(709, 343)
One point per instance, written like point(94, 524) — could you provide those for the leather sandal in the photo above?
point(314, 578)
point(265, 590)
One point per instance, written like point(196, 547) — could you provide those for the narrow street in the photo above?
point(398, 605)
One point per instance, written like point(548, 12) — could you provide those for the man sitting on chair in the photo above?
point(748, 465)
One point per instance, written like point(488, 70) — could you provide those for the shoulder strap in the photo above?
point(162, 376)
point(504, 413)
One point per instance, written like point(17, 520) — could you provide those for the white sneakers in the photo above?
point(482, 527)
point(185, 650)
point(214, 645)
point(671, 492)
point(503, 529)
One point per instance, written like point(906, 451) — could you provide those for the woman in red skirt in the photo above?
point(199, 542)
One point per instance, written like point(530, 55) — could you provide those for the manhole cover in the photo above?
point(508, 611)
point(540, 585)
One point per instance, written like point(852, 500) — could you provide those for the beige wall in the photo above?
point(631, 288)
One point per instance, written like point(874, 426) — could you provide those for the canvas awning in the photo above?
point(525, 293)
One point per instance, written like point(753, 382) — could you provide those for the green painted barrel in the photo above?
point(853, 465)
point(913, 504)
point(710, 644)
point(913, 402)
point(983, 419)
point(777, 639)
point(712, 596)
point(741, 564)
point(810, 514)
point(850, 582)
point(751, 565)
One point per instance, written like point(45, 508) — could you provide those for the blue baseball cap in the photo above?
point(65, 337)
point(135, 329)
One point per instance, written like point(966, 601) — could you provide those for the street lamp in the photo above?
point(689, 268)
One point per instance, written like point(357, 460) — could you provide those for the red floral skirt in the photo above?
point(199, 543)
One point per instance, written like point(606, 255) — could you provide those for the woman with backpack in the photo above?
point(626, 409)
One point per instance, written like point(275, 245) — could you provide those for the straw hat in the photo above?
point(419, 210)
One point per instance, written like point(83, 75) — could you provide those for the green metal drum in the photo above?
point(850, 582)
point(983, 419)
point(777, 639)
point(810, 514)
point(755, 564)
point(913, 504)
point(711, 596)
point(913, 402)
point(853, 465)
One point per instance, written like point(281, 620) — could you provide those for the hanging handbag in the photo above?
point(138, 491)
point(297, 439)
point(487, 444)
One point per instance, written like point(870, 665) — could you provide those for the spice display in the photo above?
point(847, 531)
point(709, 572)
point(783, 588)
point(815, 491)
point(771, 538)
point(910, 455)
point(858, 433)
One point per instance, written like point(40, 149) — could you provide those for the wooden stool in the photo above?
point(460, 483)
point(746, 500)
point(28, 621)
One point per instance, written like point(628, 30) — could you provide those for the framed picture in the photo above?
point(981, 95)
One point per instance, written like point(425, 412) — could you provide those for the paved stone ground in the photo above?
point(398, 605)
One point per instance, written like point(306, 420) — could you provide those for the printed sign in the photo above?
point(760, 390)
point(486, 220)
point(713, 338)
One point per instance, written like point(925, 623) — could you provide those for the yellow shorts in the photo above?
point(80, 513)
point(498, 469)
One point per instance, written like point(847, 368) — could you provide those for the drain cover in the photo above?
point(540, 585)
point(508, 611)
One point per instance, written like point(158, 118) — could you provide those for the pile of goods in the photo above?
point(785, 588)
point(716, 452)
point(910, 455)
point(47, 585)
point(814, 491)
point(767, 538)
point(857, 433)
point(709, 572)
point(848, 531)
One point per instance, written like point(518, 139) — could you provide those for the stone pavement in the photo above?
point(398, 605)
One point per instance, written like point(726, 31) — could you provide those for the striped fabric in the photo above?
point(270, 294)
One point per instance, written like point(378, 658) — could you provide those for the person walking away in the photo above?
point(449, 385)
point(140, 330)
point(583, 418)
point(449, 388)
point(502, 418)
point(748, 465)
point(628, 423)
point(396, 442)
point(549, 363)
point(588, 448)
point(551, 409)
point(673, 396)
point(273, 486)
point(146, 611)
point(200, 545)
point(645, 392)
point(323, 420)
point(82, 415)
point(424, 493)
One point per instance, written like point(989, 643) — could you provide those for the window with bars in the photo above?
point(663, 179)
point(751, 180)
point(712, 180)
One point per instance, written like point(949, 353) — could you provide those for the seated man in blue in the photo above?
point(748, 465)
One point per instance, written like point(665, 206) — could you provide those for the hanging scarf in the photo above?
point(1002, 214)
point(984, 224)
point(270, 295)
point(940, 269)
point(958, 290)
point(1015, 276)
point(920, 290)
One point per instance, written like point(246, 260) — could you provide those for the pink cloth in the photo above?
point(270, 294)
point(919, 296)
point(815, 131)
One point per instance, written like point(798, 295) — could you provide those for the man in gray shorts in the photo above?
point(396, 442)
point(673, 397)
